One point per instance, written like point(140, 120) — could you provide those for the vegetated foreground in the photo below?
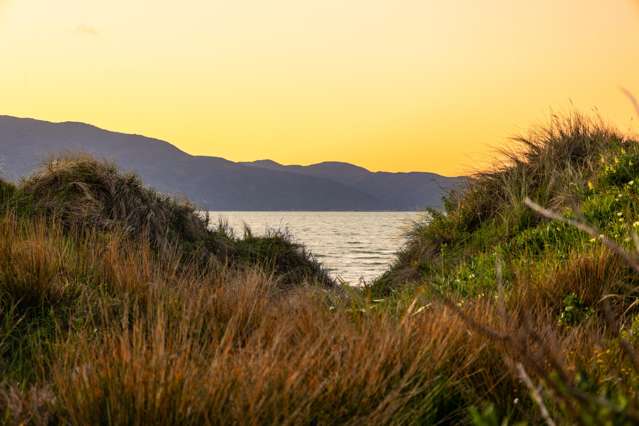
point(120, 307)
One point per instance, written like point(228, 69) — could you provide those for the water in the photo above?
point(352, 246)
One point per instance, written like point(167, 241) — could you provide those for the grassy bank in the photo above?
point(120, 305)
point(565, 299)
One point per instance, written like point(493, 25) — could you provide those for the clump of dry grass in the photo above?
point(32, 267)
point(324, 368)
point(86, 193)
point(588, 275)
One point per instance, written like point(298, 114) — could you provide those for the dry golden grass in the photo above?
point(589, 275)
point(133, 338)
point(105, 330)
point(87, 195)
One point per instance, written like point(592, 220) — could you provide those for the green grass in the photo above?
point(575, 166)
point(555, 279)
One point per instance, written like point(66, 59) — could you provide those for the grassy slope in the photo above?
point(575, 166)
point(100, 324)
point(113, 326)
point(569, 301)
point(87, 195)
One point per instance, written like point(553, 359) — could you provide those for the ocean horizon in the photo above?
point(354, 247)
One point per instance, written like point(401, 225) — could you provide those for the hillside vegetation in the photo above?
point(86, 195)
point(575, 166)
point(119, 306)
point(565, 300)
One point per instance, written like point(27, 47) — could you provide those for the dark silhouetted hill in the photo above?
point(215, 183)
point(410, 191)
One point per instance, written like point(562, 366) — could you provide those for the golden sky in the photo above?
point(398, 85)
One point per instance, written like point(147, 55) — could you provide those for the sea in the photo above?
point(354, 247)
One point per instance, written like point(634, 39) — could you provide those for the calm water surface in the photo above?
point(352, 246)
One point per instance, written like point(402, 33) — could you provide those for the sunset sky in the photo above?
point(432, 85)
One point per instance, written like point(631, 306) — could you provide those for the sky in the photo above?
point(398, 85)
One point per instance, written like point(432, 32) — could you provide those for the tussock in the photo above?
point(87, 195)
point(83, 192)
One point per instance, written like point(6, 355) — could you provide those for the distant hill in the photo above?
point(411, 191)
point(215, 183)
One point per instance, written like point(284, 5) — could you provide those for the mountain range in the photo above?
point(215, 183)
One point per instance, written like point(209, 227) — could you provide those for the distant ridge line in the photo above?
point(214, 183)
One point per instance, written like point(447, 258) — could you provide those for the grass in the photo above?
point(103, 330)
point(550, 278)
point(557, 166)
point(121, 306)
point(86, 195)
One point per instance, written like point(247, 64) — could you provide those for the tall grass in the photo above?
point(133, 338)
point(553, 165)
point(86, 195)
point(565, 300)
